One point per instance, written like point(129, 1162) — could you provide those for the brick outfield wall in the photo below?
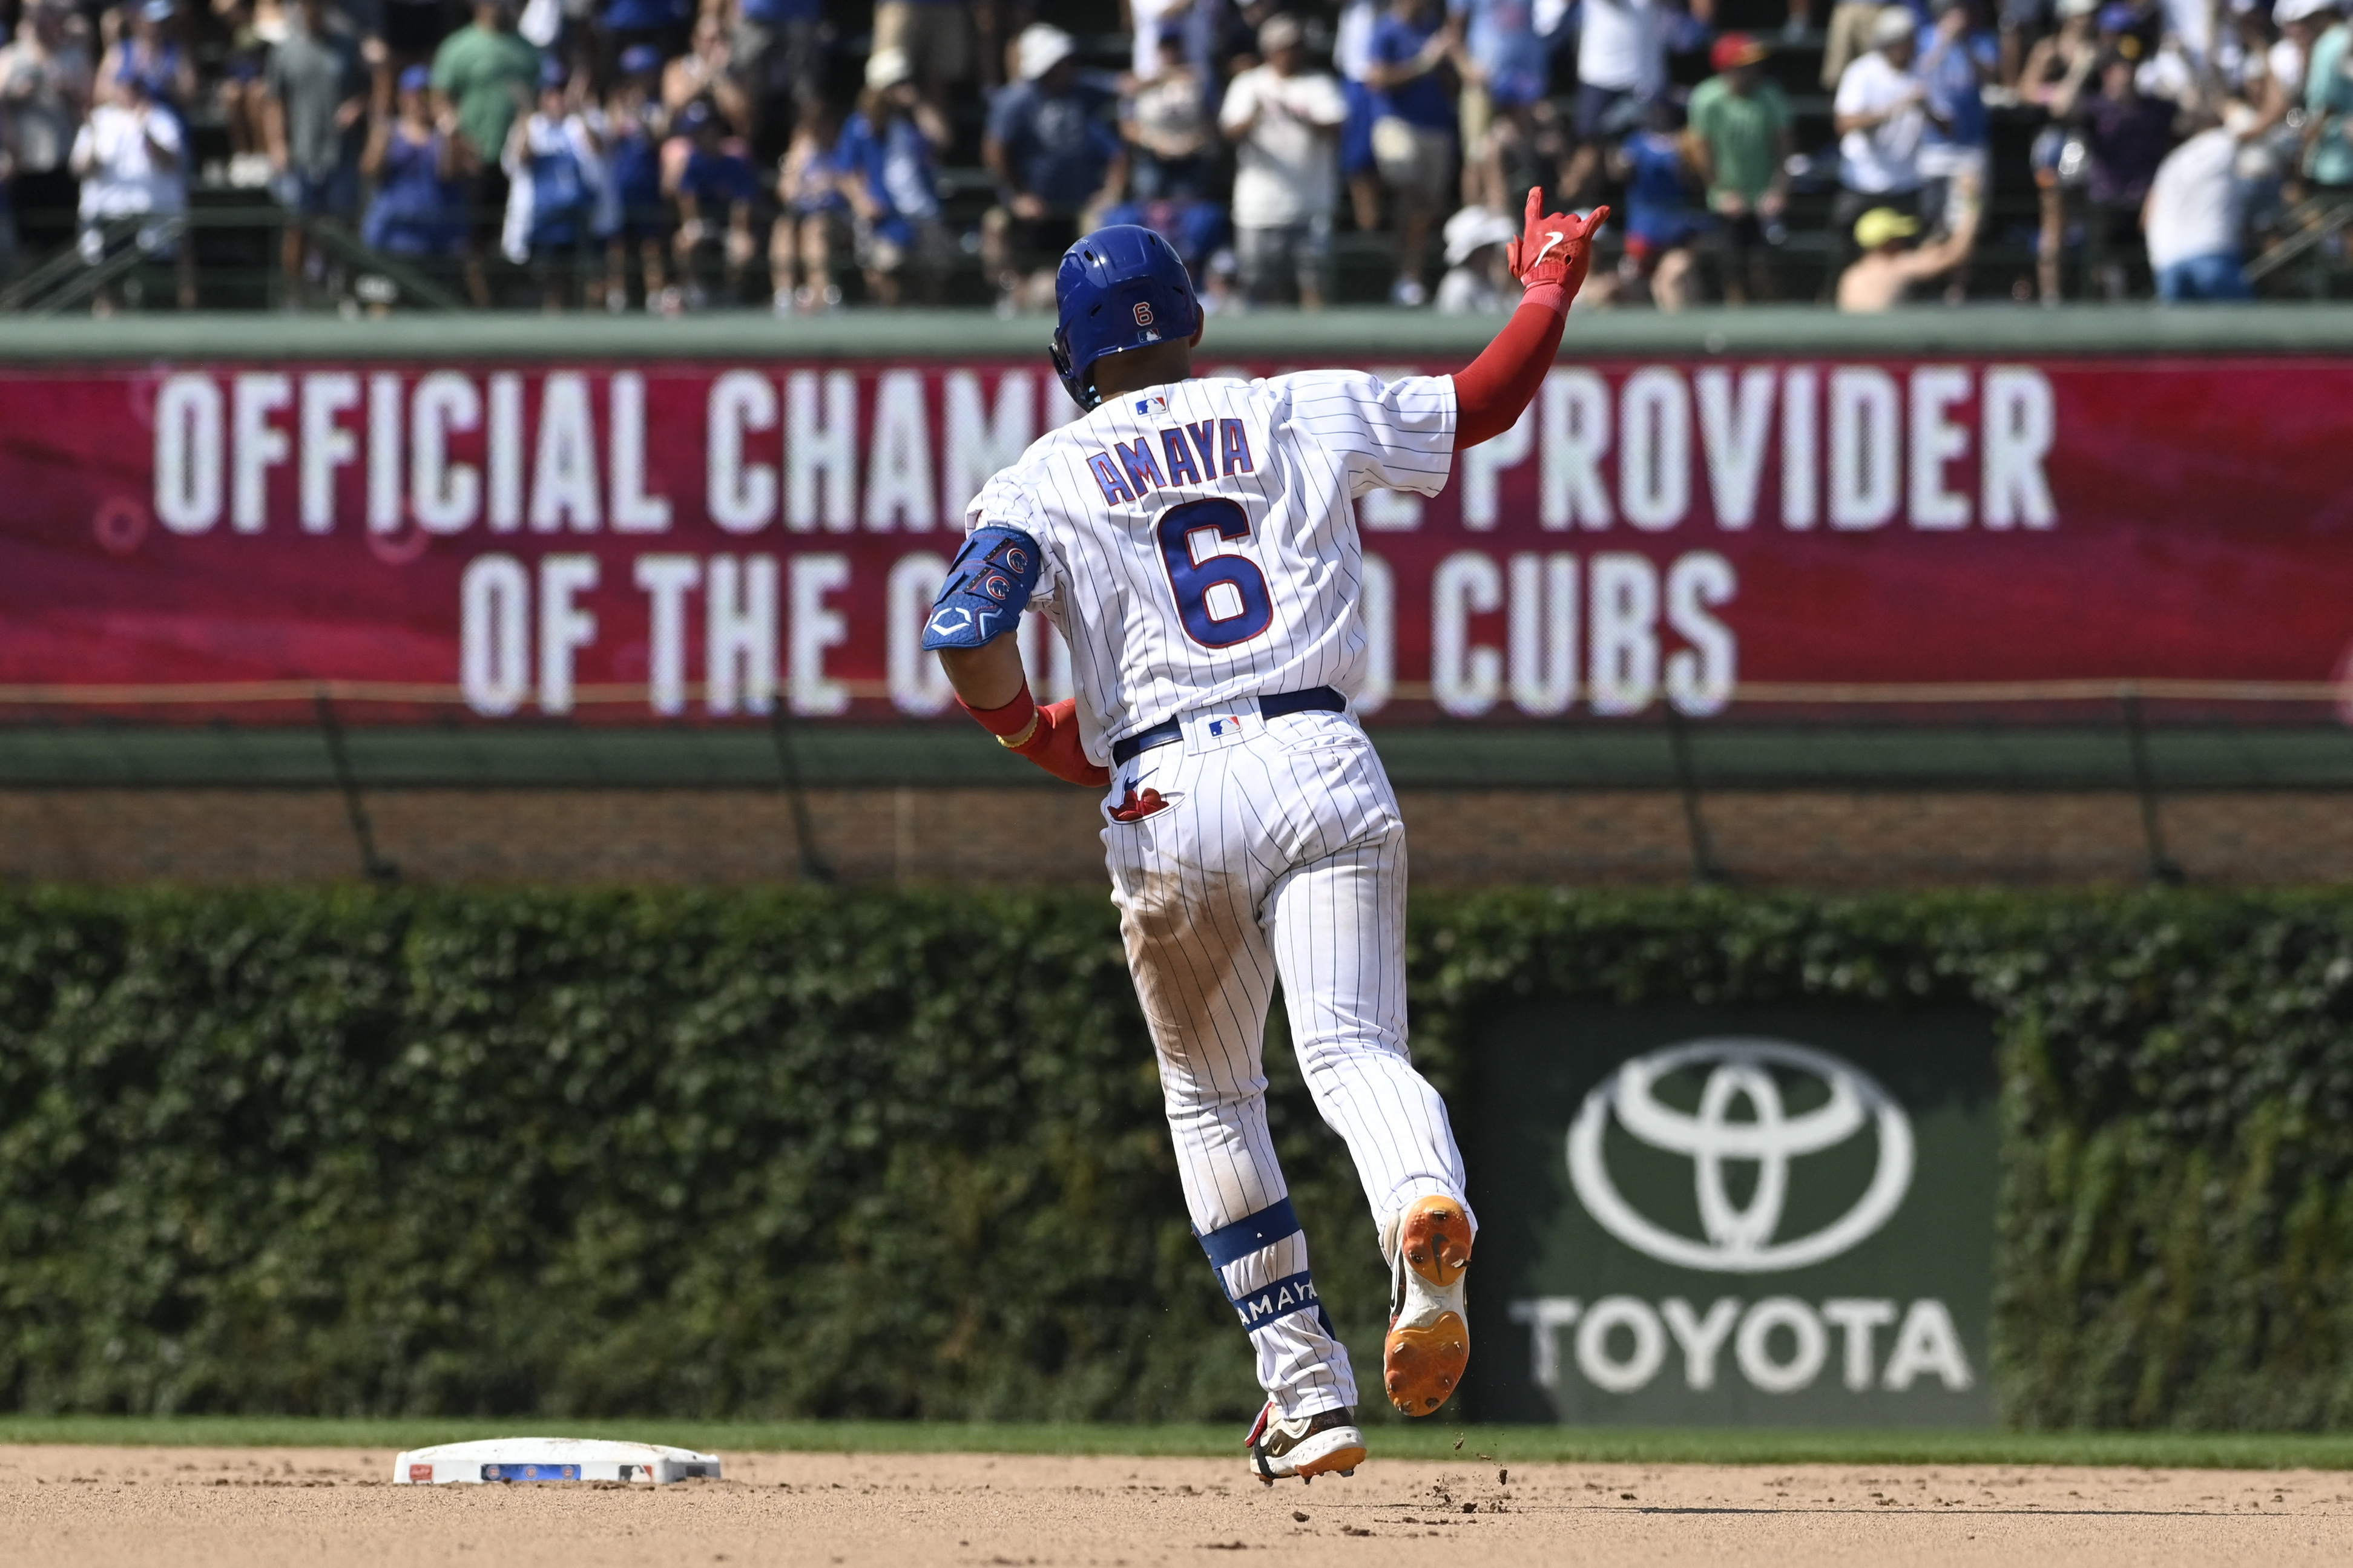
point(1459, 837)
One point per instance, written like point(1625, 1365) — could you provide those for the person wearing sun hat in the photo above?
point(1741, 141)
point(1477, 277)
point(1889, 265)
point(1055, 158)
point(889, 157)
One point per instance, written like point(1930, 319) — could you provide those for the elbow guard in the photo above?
point(987, 588)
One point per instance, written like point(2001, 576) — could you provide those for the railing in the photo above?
point(237, 248)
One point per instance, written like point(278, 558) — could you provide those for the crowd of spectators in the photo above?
point(671, 154)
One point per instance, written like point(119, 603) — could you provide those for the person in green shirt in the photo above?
point(1740, 139)
point(485, 75)
point(2328, 106)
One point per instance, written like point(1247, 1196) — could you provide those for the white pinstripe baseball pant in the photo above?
point(1282, 854)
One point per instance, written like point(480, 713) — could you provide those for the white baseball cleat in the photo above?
point(1428, 1342)
point(1304, 1446)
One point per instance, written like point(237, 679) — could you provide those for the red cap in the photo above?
point(1736, 49)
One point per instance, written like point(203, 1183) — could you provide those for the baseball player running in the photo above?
point(1195, 541)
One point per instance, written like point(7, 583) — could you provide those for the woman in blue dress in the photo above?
point(411, 158)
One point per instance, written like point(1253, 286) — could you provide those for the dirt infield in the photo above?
point(67, 1507)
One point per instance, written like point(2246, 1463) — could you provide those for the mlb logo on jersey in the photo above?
point(1154, 405)
point(1219, 727)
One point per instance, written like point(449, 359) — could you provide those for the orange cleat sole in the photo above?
point(1423, 1363)
point(1422, 1367)
point(1436, 1241)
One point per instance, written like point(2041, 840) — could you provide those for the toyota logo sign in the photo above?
point(1740, 1239)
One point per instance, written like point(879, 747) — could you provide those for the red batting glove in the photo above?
point(1048, 736)
point(1054, 746)
point(1554, 250)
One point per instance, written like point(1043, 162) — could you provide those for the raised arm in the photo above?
point(1550, 259)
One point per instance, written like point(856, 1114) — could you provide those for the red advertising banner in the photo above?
point(618, 541)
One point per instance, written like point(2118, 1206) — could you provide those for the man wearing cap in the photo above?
point(315, 121)
point(1740, 139)
point(486, 75)
point(1055, 158)
point(1284, 122)
point(1889, 267)
point(1879, 117)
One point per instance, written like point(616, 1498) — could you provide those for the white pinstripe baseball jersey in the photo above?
point(1199, 539)
point(1198, 548)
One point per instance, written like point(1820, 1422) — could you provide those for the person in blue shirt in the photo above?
point(638, 214)
point(813, 214)
point(419, 210)
point(889, 150)
point(1056, 159)
point(715, 189)
point(1411, 72)
point(1955, 58)
point(556, 179)
point(1663, 216)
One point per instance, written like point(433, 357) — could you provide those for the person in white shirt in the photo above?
point(1285, 121)
point(2195, 211)
point(1880, 113)
point(130, 157)
point(1621, 54)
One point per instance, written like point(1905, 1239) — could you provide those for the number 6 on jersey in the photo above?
point(1221, 599)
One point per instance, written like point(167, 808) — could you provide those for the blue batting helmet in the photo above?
point(1120, 287)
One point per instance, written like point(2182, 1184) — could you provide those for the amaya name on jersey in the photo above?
point(1135, 474)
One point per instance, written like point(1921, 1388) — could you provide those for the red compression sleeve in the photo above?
point(1490, 392)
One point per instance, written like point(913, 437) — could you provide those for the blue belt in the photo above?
point(1315, 699)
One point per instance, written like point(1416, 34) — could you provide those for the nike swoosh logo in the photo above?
point(1552, 237)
